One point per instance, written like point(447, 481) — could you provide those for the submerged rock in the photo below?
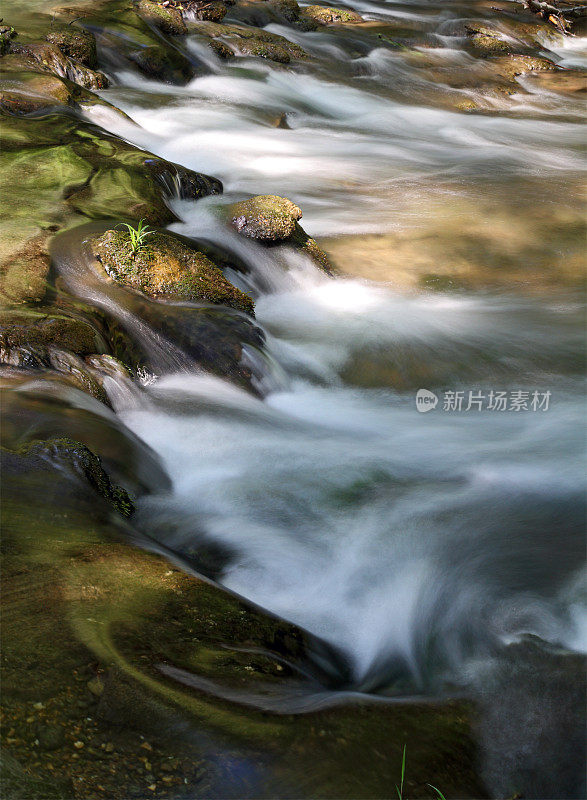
point(265, 217)
point(165, 267)
point(24, 269)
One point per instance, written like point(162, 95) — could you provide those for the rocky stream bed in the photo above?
point(204, 440)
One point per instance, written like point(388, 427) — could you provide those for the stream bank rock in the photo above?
point(165, 267)
point(271, 220)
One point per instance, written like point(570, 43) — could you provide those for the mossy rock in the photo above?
point(164, 267)
point(273, 51)
point(487, 41)
point(49, 329)
point(214, 11)
point(251, 41)
point(31, 92)
point(513, 65)
point(24, 270)
point(254, 12)
point(303, 242)
point(168, 20)
point(221, 50)
point(58, 171)
point(7, 34)
point(265, 217)
point(322, 15)
point(76, 43)
point(47, 57)
point(121, 32)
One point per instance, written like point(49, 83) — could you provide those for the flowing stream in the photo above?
point(418, 544)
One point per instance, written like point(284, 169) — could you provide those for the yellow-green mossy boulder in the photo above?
point(322, 15)
point(487, 41)
point(165, 267)
point(510, 67)
point(168, 19)
point(273, 220)
point(266, 217)
point(76, 43)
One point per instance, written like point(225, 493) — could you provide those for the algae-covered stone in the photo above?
point(221, 50)
point(322, 15)
point(487, 41)
point(48, 329)
point(47, 57)
point(167, 18)
point(513, 65)
point(123, 35)
point(29, 92)
point(76, 43)
point(250, 42)
point(214, 11)
point(304, 243)
point(166, 267)
point(273, 51)
point(265, 12)
point(265, 217)
point(24, 270)
point(79, 458)
point(7, 33)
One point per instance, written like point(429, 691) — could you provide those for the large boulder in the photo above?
point(165, 267)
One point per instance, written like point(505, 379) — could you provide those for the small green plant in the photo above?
point(400, 789)
point(438, 792)
point(137, 235)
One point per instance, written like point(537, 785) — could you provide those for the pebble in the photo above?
point(109, 747)
point(78, 745)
